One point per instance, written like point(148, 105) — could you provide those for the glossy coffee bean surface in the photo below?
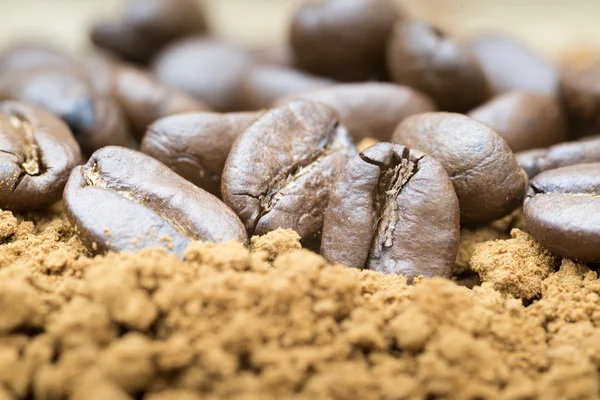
point(123, 200)
point(393, 210)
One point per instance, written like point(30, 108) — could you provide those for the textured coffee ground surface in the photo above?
point(277, 321)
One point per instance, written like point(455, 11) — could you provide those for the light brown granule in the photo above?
point(227, 323)
point(278, 242)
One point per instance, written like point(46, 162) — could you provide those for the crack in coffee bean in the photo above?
point(32, 164)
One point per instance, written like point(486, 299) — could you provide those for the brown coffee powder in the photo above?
point(277, 321)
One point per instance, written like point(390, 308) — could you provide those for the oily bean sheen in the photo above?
point(487, 179)
point(585, 150)
point(562, 211)
point(123, 200)
point(264, 84)
point(148, 25)
point(37, 153)
point(343, 39)
point(525, 120)
point(280, 170)
point(421, 56)
point(509, 65)
point(95, 120)
point(368, 109)
point(393, 210)
point(207, 69)
point(580, 96)
point(196, 145)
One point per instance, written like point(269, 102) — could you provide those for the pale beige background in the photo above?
point(551, 26)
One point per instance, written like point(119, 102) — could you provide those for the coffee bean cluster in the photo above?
point(164, 133)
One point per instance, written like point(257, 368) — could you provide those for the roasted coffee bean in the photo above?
point(33, 55)
point(37, 153)
point(585, 150)
point(579, 92)
point(94, 119)
point(562, 211)
point(343, 39)
point(487, 179)
point(265, 84)
point(280, 170)
point(147, 26)
point(196, 145)
point(509, 65)
point(423, 57)
point(393, 210)
point(278, 55)
point(368, 109)
point(525, 120)
point(209, 70)
point(123, 200)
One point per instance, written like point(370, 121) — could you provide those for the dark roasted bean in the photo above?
point(123, 200)
point(196, 145)
point(423, 57)
point(369, 109)
point(209, 70)
point(37, 153)
point(580, 98)
point(343, 39)
point(486, 176)
point(265, 84)
point(393, 210)
point(509, 65)
point(562, 211)
point(147, 26)
point(94, 119)
point(280, 170)
point(525, 120)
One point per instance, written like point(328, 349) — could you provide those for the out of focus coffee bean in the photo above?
point(487, 179)
point(368, 109)
point(562, 211)
point(209, 70)
point(33, 55)
point(579, 92)
point(196, 145)
point(585, 150)
point(37, 153)
point(280, 170)
point(95, 120)
point(343, 39)
point(264, 84)
point(278, 55)
point(511, 66)
point(423, 57)
point(393, 210)
point(525, 120)
point(123, 200)
point(148, 25)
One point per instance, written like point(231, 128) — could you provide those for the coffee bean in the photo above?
point(280, 170)
point(585, 150)
point(562, 211)
point(423, 57)
point(580, 97)
point(209, 70)
point(525, 120)
point(95, 120)
point(123, 200)
point(148, 25)
point(278, 55)
point(393, 210)
point(37, 153)
point(196, 145)
point(33, 55)
point(368, 109)
point(509, 65)
point(264, 84)
point(343, 39)
point(486, 176)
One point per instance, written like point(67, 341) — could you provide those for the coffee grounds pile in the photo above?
point(277, 321)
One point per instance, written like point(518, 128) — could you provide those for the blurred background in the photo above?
point(555, 28)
